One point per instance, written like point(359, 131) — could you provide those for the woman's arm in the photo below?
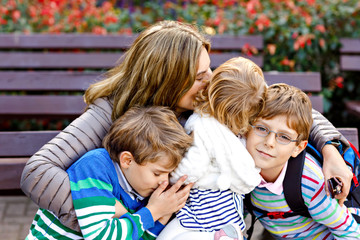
point(44, 179)
point(322, 132)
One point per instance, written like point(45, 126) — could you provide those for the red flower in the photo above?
point(16, 15)
point(262, 22)
point(32, 11)
point(99, 30)
point(110, 19)
point(311, 2)
point(339, 81)
point(320, 28)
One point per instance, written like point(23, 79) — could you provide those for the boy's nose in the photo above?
point(270, 139)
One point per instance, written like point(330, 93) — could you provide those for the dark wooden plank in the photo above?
point(65, 41)
point(121, 41)
point(351, 134)
point(226, 42)
point(24, 143)
point(47, 80)
point(350, 45)
point(11, 170)
point(317, 103)
point(353, 107)
point(306, 81)
point(219, 58)
point(42, 105)
point(350, 63)
point(18, 60)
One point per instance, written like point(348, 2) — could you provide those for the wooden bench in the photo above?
point(350, 61)
point(45, 75)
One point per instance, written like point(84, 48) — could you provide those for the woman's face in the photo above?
point(202, 75)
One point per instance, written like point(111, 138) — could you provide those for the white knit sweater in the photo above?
point(218, 159)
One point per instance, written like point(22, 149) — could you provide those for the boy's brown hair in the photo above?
point(283, 99)
point(235, 94)
point(148, 133)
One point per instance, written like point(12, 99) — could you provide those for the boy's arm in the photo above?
point(94, 203)
point(325, 210)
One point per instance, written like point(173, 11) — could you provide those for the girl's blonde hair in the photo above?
point(158, 69)
point(149, 133)
point(235, 94)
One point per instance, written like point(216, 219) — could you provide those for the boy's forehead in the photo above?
point(278, 122)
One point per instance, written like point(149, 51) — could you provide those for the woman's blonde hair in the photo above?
point(235, 94)
point(289, 101)
point(149, 133)
point(158, 69)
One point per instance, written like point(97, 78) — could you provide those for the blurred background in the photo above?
point(300, 35)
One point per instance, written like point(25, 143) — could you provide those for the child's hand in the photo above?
point(119, 209)
point(163, 202)
point(165, 219)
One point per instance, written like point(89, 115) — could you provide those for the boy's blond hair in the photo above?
point(148, 133)
point(283, 99)
point(235, 94)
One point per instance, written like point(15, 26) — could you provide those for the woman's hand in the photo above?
point(334, 166)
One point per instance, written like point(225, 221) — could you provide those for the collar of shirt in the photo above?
point(125, 185)
point(277, 186)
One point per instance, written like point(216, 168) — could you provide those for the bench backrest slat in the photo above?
point(91, 41)
point(44, 105)
point(91, 60)
point(350, 54)
point(47, 80)
point(30, 142)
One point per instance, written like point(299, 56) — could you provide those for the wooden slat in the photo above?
point(11, 170)
point(306, 81)
point(353, 107)
point(47, 80)
point(350, 45)
point(18, 60)
point(65, 41)
point(351, 134)
point(24, 143)
point(219, 58)
point(317, 103)
point(226, 42)
point(350, 63)
point(91, 41)
point(42, 105)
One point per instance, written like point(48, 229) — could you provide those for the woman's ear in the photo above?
point(125, 158)
point(299, 148)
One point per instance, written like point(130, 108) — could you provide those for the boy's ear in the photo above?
point(125, 159)
point(299, 148)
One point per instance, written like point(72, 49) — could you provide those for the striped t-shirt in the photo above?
point(210, 210)
point(94, 187)
point(329, 220)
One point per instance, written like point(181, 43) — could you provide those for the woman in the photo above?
point(166, 65)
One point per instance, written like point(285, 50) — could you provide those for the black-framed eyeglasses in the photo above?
point(280, 137)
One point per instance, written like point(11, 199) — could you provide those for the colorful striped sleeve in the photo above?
point(92, 181)
point(323, 209)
